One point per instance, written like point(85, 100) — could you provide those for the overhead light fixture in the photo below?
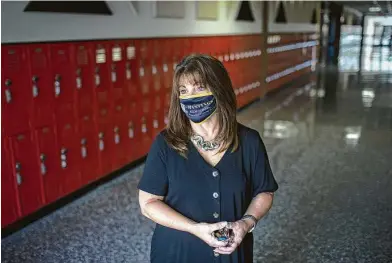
point(375, 9)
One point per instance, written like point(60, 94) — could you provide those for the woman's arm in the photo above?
point(154, 208)
point(258, 208)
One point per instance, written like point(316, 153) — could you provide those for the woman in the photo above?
point(205, 172)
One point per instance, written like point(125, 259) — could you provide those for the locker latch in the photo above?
point(141, 72)
point(131, 133)
point(165, 68)
point(154, 69)
point(83, 148)
point(18, 168)
point(114, 73)
point(78, 78)
point(8, 95)
point(144, 125)
point(57, 88)
point(42, 157)
point(116, 135)
point(97, 77)
point(128, 70)
point(155, 122)
point(35, 86)
point(63, 157)
point(101, 142)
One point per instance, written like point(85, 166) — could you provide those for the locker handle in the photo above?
point(83, 149)
point(63, 158)
point(57, 88)
point(78, 78)
point(35, 86)
point(8, 94)
point(42, 157)
point(43, 166)
point(18, 168)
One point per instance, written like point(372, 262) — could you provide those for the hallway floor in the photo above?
point(330, 147)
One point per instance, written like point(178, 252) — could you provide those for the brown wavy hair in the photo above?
point(209, 72)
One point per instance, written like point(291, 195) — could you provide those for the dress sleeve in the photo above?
point(154, 179)
point(262, 178)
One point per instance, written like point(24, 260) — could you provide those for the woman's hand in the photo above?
point(204, 232)
point(240, 229)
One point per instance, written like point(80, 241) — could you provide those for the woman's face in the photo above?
point(191, 86)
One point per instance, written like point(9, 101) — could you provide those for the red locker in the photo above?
point(10, 210)
point(26, 172)
point(105, 148)
point(158, 115)
point(131, 69)
point(118, 73)
point(69, 158)
point(133, 144)
point(120, 142)
point(16, 96)
point(146, 123)
point(41, 85)
point(157, 76)
point(48, 162)
point(84, 79)
point(145, 77)
point(88, 151)
point(102, 75)
point(64, 81)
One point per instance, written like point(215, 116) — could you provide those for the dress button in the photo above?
point(215, 173)
point(216, 215)
point(216, 254)
point(215, 195)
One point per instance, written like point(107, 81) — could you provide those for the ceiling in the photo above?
point(363, 6)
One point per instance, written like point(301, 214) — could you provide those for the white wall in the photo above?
point(17, 26)
point(298, 15)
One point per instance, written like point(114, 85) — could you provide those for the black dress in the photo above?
point(205, 193)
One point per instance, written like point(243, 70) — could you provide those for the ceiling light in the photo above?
point(375, 9)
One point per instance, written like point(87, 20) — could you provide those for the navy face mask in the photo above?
point(198, 107)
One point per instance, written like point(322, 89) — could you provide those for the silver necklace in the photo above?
point(204, 145)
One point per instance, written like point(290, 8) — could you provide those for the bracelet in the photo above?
point(253, 219)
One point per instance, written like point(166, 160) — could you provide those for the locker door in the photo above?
point(118, 73)
point(135, 132)
point(158, 115)
point(146, 123)
point(88, 149)
point(41, 85)
point(69, 158)
point(10, 209)
point(120, 138)
point(16, 96)
point(156, 75)
point(48, 161)
point(102, 80)
point(84, 79)
point(131, 69)
point(145, 77)
point(26, 172)
point(63, 81)
point(105, 149)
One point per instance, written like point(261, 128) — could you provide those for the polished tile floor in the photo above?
point(330, 146)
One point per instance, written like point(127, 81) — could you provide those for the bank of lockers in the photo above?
point(75, 112)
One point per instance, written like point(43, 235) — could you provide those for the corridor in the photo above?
point(330, 146)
